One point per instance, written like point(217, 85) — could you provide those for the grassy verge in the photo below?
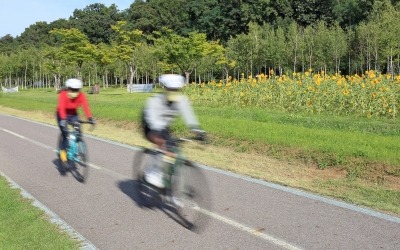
point(350, 158)
point(23, 226)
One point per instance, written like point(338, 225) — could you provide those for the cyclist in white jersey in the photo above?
point(161, 110)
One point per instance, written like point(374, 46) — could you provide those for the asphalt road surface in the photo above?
point(246, 213)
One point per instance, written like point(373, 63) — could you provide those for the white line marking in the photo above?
point(8, 131)
point(249, 179)
point(42, 145)
point(226, 220)
point(249, 230)
point(27, 139)
point(305, 194)
point(94, 166)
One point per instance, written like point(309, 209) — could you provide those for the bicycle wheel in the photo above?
point(81, 166)
point(191, 188)
point(147, 194)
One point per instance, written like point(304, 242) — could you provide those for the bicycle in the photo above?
point(76, 151)
point(183, 180)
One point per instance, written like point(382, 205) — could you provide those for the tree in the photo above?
point(7, 44)
point(125, 44)
point(294, 44)
point(389, 43)
point(74, 47)
point(184, 52)
point(35, 35)
point(338, 45)
point(147, 62)
point(309, 12)
point(103, 57)
point(150, 16)
point(349, 13)
point(96, 21)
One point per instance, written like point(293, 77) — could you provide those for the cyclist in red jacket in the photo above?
point(69, 100)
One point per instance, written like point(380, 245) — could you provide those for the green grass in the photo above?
point(23, 226)
point(351, 191)
point(314, 137)
point(366, 149)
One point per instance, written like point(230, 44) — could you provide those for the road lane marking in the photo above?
point(28, 139)
point(311, 196)
point(10, 132)
point(254, 232)
point(226, 220)
point(94, 166)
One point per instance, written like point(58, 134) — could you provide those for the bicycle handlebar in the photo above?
point(81, 121)
point(202, 139)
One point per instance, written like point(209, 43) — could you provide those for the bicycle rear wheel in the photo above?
point(147, 194)
point(81, 169)
point(191, 188)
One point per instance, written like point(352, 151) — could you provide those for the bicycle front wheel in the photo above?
point(81, 164)
point(193, 195)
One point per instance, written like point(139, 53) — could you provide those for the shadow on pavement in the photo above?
point(131, 189)
point(59, 167)
point(71, 168)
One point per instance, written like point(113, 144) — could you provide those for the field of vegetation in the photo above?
point(317, 130)
point(332, 135)
point(26, 227)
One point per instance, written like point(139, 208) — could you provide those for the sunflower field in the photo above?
point(368, 95)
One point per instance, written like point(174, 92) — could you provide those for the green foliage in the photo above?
point(95, 21)
point(186, 52)
point(75, 47)
point(24, 226)
point(214, 39)
point(358, 146)
point(150, 16)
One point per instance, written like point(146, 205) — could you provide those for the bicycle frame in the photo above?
point(73, 138)
point(185, 188)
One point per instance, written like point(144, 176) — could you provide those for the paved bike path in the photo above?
point(246, 214)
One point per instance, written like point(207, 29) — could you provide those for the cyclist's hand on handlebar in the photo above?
point(200, 135)
point(63, 123)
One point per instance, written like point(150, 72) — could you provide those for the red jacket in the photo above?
point(67, 106)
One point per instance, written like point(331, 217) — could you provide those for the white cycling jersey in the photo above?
point(159, 115)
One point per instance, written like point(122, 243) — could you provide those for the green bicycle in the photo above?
point(184, 189)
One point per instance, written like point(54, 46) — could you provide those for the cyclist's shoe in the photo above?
point(155, 178)
point(177, 202)
point(174, 202)
point(63, 155)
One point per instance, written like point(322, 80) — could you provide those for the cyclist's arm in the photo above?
point(85, 105)
point(61, 109)
point(186, 110)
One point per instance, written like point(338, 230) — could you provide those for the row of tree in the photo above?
point(137, 44)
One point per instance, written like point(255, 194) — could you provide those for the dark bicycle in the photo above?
point(183, 181)
point(76, 151)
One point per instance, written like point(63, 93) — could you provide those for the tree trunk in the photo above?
point(187, 75)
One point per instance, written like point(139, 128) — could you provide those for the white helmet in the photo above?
point(73, 83)
point(172, 81)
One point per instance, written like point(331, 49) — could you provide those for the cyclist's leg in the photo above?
point(73, 119)
point(64, 133)
point(64, 142)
